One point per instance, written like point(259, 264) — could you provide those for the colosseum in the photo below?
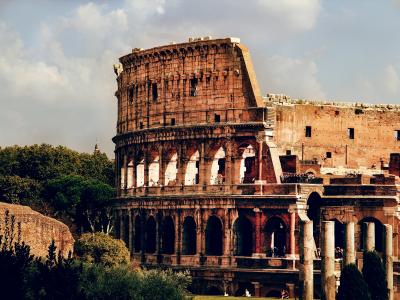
point(215, 178)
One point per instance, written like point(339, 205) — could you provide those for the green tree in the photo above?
point(24, 191)
point(352, 284)
point(100, 248)
point(374, 275)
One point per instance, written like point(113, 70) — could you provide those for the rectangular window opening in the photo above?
point(154, 91)
point(173, 122)
point(350, 133)
point(131, 94)
point(288, 152)
point(217, 118)
point(328, 154)
point(193, 87)
point(308, 131)
point(141, 125)
point(397, 135)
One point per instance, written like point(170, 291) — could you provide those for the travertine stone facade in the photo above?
point(200, 183)
point(37, 230)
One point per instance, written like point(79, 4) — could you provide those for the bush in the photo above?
point(352, 284)
point(101, 248)
point(101, 283)
point(374, 275)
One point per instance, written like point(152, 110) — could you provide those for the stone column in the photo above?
point(306, 274)
point(292, 232)
point(143, 236)
point(178, 236)
point(121, 226)
point(159, 228)
point(349, 250)
point(227, 233)
point(146, 168)
point(161, 164)
point(258, 214)
point(328, 280)
point(202, 168)
point(130, 236)
point(369, 236)
point(388, 258)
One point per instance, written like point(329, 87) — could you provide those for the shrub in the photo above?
point(352, 285)
point(374, 275)
point(101, 248)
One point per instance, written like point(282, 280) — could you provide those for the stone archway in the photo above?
point(247, 164)
point(192, 169)
point(378, 233)
point(275, 236)
point(189, 238)
point(214, 236)
point(217, 172)
point(168, 236)
point(171, 169)
point(243, 238)
point(151, 235)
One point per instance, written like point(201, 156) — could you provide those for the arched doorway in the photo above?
point(213, 291)
point(137, 241)
point(339, 234)
point(171, 170)
point(218, 167)
point(140, 170)
point(151, 235)
point(168, 236)
point(243, 286)
point(247, 164)
point(275, 237)
point(192, 169)
point(214, 236)
point(243, 230)
point(314, 214)
point(274, 294)
point(189, 238)
point(130, 175)
point(154, 169)
point(378, 233)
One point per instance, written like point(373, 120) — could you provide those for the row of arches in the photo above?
point(314, 213)
point(132, 172)
point(145, 236)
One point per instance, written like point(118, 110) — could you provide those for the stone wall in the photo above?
point(38, 230)
point(374, 134)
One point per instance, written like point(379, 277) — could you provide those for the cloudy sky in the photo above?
point(56, 78)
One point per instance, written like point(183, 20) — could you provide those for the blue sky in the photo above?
point(56, 78)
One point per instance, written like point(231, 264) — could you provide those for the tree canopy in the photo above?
point(374, 275)
point(352, 284)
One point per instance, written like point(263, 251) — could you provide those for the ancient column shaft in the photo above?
point(306, 274)
point(388, 257)
point(328, 279)
point(349, 251)
point(369, 236)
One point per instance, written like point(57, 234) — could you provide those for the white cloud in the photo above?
point(295, 77)
point(300, 14)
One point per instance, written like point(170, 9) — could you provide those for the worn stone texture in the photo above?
point(38, 230)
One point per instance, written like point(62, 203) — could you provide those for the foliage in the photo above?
point(43, 162)
point(17, 190)
point(15, 260)
point(174, 284)
point(100, 283)
point(84, 201)
point(100, 248)
point(374, 275)
point(352, 284)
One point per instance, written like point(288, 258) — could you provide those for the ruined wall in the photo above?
point(206, 81)
point(38, 230)
point(375, 134)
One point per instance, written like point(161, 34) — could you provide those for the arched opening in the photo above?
point(214, 291)
point(218, 167)
point(192, 169)
point(275, 237)
point(151, 235)
point(189, 238)
point(339, 234)
point(154, 170)
point(243, 230)
point(243, 287)
point(168, 236)
point(130, 178)
point(122, 177)
point(171, 170)
point(274, 294)
point(137, 243)
point(247, 164)
point(314, 213)
point(214, 236)
point(378, 233)
point(140, 170)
